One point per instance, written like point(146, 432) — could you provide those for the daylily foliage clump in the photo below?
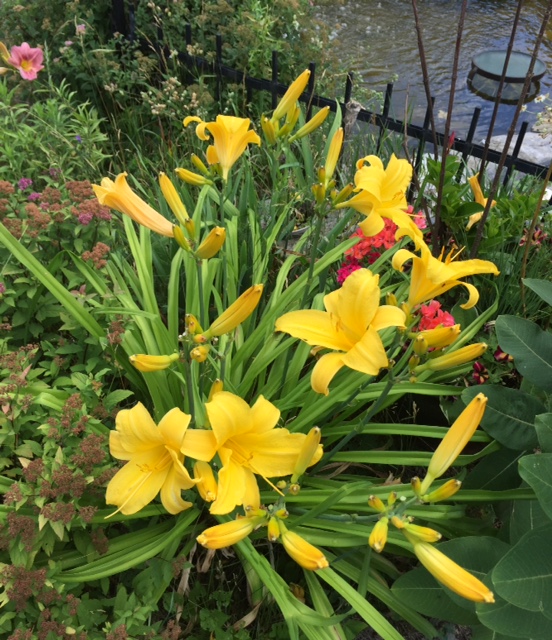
point(226, 440)
point(260, 381)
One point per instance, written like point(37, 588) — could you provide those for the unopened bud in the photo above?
point(420, 347)
point(212, 244)
point(444, 492)
point(273, 529)
point(376, 503)
point(181, 239)
point(147, 364)
point(308, 453)
point(199, 354)
point(378, 537)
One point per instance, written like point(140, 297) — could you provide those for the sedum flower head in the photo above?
point(119, 196)
point(431, 277)
point(154, 460)
point(231, 136)
point(349, 327)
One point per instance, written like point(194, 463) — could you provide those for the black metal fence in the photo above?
point(124, 22)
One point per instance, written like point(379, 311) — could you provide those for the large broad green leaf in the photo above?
point(511, 621)
point(536, 470)
point(543, 427)
point(530, 346)
point(524, 516)
point(479, 632)
point(510, 415)
point(523, 577)
point(542, 288)
point(419, 590)
point(476, 554)
point(497, 471)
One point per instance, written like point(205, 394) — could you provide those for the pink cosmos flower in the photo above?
point(27, 60)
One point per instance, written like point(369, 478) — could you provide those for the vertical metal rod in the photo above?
point(511, 130)
point(436, 244)
point(310, 89)
point(385, 114)
point(425, 74)
point(499, 91)
point(517, 149)
point(469, 139)
point(274, 79)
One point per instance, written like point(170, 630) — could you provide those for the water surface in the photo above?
point(377, 40)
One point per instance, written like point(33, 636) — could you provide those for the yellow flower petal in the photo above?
point(232, 481)
point(199, 444)
point(119, 196)
point(325, 370)
point(171, 497)
point(173, 427)
point(313, 327)
point(368, 355)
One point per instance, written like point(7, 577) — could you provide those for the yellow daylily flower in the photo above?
point(119, 196)
point(228, 533)
point(289, 100)
point(431, 277)
point(449, 573)
point(212, 244)
point(147, 364)
point(236, 313)
point(349, 327)
point(231, 136)
point(248, 443)
point(304, 553)
point(381, 193)
point(454, 441)
point(155, 460)
point(479, 198)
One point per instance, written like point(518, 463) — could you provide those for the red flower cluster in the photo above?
point(432, 316)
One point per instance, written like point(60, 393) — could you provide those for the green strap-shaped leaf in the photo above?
point(542, 288)
point(77, 311)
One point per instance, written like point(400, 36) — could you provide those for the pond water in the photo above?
point(376, 39)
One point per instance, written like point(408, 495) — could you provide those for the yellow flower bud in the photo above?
point(307, 453)
point(199, 354)
point(304, 553)
point(4, 53)
point(455, 440)
point(273, 529)
point(343, 194)
point(192, 178)
point(440, 336)
point(376, 503)
point(391, 299)
point(313, 124)
point(189, 225)
point(378, 537)
point(216, 387)
point(413, 362)
point(420, 346)
point(424, 534)
point(269, 130)
point(200, 165)
point(212, 244)
point(454, 359)
point(173, 199)
point(333, 154)
point(444, 492)
point(291, 121)
point(319, 192)
point(207, 484)
point(236, 313)
point(228, 533)
point(291, 96)
point(449, 573)
point(147, 364)
point(416, 485)
point(398, 522)
point(181, 239)
point(192, 324)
